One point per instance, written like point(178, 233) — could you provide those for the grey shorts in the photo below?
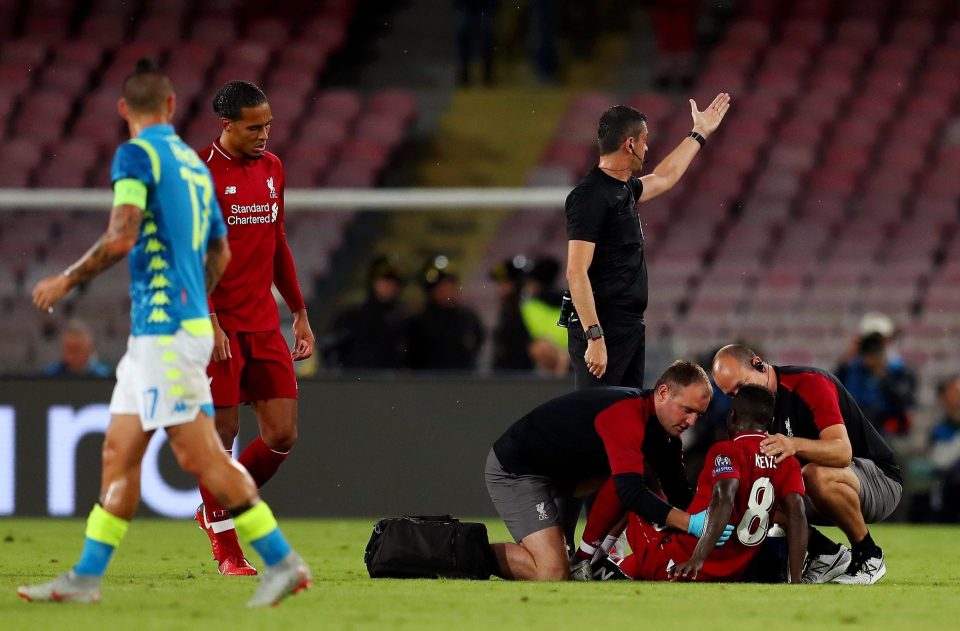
point(879, 495)
point(526, 503)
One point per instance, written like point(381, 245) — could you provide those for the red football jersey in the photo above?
point(762, 485)
point(250, 192)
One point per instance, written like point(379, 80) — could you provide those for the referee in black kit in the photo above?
point(606, 271)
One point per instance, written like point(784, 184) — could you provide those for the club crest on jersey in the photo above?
point(721, 465)
point(273, 191)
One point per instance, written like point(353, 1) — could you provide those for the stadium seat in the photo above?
point(24, 52)
point(340, 104)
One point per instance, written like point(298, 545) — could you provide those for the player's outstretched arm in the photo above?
point(718, 514)
point(797, 534)
point(116, 243)
point(666, 174)
point(218, 255)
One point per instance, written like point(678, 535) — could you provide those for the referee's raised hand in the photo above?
point(707, 121)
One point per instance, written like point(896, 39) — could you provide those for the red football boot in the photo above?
point(226, 548)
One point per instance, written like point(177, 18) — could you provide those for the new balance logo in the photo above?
point(230, 190)
point(542, 512)
point(179, 406)
point(603, 574)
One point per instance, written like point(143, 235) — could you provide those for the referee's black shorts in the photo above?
point(625, 355)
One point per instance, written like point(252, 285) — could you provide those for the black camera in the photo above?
point(567, 312)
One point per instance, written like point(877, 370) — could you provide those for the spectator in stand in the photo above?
point(511, 339)
point(78, 354)
point(944, 453)
point(475, 37)
point(371, 336)
point(541, 311)
point(884, 388)
point(446, 335)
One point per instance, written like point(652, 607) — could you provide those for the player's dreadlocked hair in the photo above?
point(616, 125)
point(753, 406)
point(146, 89)
point(682, 374)
point(234, 96)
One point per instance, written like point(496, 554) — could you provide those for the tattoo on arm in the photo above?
point(116, 242)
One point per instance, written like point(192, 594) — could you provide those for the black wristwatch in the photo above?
point(594, 332)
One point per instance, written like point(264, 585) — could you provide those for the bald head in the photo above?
point(736, 365)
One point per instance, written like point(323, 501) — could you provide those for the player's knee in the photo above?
point(280, 439)
point(815, 477)
point(553, 573)
point(189, 461)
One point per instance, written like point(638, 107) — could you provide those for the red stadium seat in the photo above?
point(302, 55)
point(104, 29)
point(326, 35)
point(24, 52)
point(341, 104)
point(49, 28)
point(65, 77)
point(15, 78)
point(291, 80)
point(165, 28)
point(750, 32)
point(255, 55)
point(901, 58)
point(817, 106)
point(793, 158)
point(804, 33)
point(822, 209)
point(398, 104)
point(348, 174)
point(214, 29)
point(270, 31)
point(379, 128)
point(841, 57)
point(323, 131)
point(864, 33)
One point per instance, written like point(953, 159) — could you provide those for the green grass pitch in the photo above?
point(162, 578)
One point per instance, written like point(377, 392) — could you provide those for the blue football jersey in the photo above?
point(167, 277)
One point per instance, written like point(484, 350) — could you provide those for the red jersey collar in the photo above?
point(217, 147)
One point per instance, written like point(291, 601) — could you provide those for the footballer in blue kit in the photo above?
point(166, 218)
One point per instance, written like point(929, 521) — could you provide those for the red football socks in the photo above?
point(261, 461)
point(605, 513)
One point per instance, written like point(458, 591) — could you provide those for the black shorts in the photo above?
point(625, 356)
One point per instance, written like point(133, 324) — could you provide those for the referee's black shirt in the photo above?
point(602, 210)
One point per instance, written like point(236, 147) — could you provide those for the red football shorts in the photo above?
point(649, 556)
point(261, 368)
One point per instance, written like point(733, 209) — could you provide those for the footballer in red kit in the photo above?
point(739, 485)
point(251, 361)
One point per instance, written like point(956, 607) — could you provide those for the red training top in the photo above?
point(250, 192)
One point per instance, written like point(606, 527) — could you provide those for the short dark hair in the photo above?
point(235, 96)
point(681, 374)
point(145, 90)
point(872, 343)
point(616, 125)
point(753, 405)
